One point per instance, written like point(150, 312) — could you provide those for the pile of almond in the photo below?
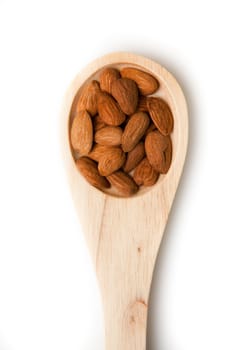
point(119, 134)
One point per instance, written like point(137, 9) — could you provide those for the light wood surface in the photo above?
point(124, 234)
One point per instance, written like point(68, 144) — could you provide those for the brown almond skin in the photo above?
point(134, 130)
point(125, 92)
point(98, 123)
point(109, 136)
point(88, 98)
point(111, 161)
point(161, 115)
point(145, 174)
point(159, 151)
point(142, 104)
point(109, 110)
point(124, 183)
point(88, 168)
point(81, 134)
point(146, 83)
point(134, 157)
point(107, 77)
point(151, 127)
point(98, 151)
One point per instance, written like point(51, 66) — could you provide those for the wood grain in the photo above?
point(124, 235)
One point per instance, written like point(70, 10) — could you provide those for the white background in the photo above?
point(48, 293)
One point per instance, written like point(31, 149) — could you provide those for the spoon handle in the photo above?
point(125, 258)
point(125, 321)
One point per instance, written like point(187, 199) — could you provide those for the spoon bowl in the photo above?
point(124, 234)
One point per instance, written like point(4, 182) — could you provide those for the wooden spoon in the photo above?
point(124, 234)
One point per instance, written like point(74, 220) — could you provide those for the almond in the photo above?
point(134, 157)
point(88, 168)
point(109, 136)
point(109, 110)
point(111, 161)
point(88, 98)
point(142, 104)
point(98, 123)
point(144, 174)
point(123, 183)
point(125, 92)
point(160, 114)
point(134, 130)
point(159, 151)
point(107, 77)
point(81, 134)
point(98, 151)
point(146, 83)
